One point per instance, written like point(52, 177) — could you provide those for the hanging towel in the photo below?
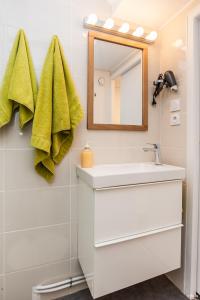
point(58, 112)
point(19, 87)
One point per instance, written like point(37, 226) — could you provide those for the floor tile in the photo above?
point(159, 288)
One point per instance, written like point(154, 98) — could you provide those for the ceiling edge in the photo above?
point(115, 4)
point(176, 14)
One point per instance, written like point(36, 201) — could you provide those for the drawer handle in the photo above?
point(136, 236)
point(128, 186)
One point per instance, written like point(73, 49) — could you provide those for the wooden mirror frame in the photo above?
point(93, 35)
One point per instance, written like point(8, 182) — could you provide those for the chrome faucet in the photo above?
point(156, 150)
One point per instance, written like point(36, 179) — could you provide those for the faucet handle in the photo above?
point(155, 145)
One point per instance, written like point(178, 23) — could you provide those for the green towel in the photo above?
point(58, 112)
point(19, 87)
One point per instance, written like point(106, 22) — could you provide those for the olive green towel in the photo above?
point(19, 87)
point(58, 112)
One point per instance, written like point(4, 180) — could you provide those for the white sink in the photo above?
point(102, 176)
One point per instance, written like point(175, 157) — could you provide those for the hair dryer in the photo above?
point(167, 80)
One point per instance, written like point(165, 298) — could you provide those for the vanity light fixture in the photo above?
point(124, 28)
point(92, 19)
point(139, 31)
point(152, 36)
point(109, 23)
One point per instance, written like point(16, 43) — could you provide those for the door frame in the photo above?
point(193, 156)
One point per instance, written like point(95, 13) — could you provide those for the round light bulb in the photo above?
point(139, 31)
point(92, 19)
point(109, 23)
point(152, 36)
point(124, 28)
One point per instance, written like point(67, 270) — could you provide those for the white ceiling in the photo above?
point(149, 13)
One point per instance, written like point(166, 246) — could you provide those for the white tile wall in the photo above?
point(74, 240)
point(172, 132)
point(1, 254)
point(1, 287)
point(1, 134)
point(20, 174)
point(2, 168)
point(31, 248)
point(73, 204)
point(38, 221)
point(1, 211)
point(16, 140)
point(18, 284)
point(39, 207)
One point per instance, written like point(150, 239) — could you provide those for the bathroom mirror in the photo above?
point(117, 83)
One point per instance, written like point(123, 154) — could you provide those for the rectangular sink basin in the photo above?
point(110, 175)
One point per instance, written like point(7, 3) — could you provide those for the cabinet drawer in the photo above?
point(131, 210)
point(123, 264)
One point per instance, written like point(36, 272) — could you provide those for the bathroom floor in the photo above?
point(159, 288)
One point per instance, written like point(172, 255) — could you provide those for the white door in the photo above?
point(198, 75)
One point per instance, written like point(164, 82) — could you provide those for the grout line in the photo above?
point(3, 226)
point(70, 228)
point(117, 146)
point(4, 185)
point(18, 149)
point(47, 188)
point(4, 246)
point(38, 266)
point(36, 228)
point(70, 162)
point(42, 188)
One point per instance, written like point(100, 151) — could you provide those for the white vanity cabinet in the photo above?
point(129, 233)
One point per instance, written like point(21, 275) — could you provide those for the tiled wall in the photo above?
point(173, 55)
point(38, 222)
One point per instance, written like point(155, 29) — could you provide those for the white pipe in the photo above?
point(57, 286)
point(44, 287)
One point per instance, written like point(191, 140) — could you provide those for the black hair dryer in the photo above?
point(167, 80)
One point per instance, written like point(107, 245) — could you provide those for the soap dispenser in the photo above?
point(87, 160)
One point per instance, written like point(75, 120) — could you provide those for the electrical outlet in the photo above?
point(174, 105)
point(175, 119)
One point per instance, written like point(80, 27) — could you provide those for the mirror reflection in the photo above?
point(117, 84)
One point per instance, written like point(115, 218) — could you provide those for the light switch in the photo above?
point(174, 105)
point(175, 119)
